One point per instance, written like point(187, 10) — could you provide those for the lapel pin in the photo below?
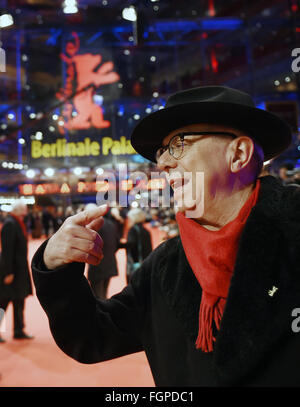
point(273, 291)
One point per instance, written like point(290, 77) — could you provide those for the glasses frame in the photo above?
point(182, 135)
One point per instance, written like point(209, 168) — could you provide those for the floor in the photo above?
point(40, 363)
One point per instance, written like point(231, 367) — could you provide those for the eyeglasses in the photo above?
point(176, 144)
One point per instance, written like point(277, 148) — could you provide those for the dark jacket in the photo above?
point(137, 234)
point(108, 266)
point(158, 311)
point(14, 261)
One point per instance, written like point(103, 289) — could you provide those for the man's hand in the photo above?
point(77, 240)
point(8, 279)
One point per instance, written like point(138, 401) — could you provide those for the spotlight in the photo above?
point(49, 172)
point(276, 83)
point(129, 13)
point(30, 173)
point(21, 141)
point(77, 171)
point(39, 136)
point(6, 20)
point(99, 171)
point(70, 7)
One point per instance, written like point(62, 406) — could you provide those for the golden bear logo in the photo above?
point(87, 113)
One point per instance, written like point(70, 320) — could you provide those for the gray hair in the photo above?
point(136, 215)
point(18, 206)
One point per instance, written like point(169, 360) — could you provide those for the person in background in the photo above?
point(69, 211)
point(15, 282)
point(47, 220)
point(100, 275)
point(285, 173)
point(36, 224)
point(58, 218)
point(139, 244)
point(116, 215)
point(218, 304)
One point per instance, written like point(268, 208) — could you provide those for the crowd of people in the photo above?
point(123, 228)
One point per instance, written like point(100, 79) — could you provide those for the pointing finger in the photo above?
point(85, 217)
point(96, 224)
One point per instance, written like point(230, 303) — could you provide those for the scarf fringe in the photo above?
point(208, 313)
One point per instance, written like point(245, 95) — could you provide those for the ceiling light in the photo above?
point(30, 173)
point(77, 171)
point(6, 20)
point(49, 172)
point(129, 13)
point(70, 6)
point(99, 171)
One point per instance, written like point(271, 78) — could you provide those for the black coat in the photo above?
point(137, 234)
point(158, 311)
point(14, 261)
point(108, 266)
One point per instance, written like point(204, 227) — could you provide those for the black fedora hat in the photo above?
point(216, 105)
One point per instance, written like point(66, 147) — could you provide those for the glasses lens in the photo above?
point(176, 147)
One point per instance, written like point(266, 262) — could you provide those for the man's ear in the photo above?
point(240, 152)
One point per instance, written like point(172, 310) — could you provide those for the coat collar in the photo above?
point(253, 321)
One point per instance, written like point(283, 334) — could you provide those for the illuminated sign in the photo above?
point(84, 70)
point(88, 187)
point(62, 148)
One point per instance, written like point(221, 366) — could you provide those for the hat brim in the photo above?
point(271, 132)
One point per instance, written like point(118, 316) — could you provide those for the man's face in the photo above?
point(201, 155)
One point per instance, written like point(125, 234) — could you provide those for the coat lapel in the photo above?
point(180, 287)
point(253, 321)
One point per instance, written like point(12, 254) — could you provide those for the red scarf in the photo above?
point(21, 223)
point(212, 255)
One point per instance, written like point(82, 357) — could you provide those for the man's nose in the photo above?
point(166, 161)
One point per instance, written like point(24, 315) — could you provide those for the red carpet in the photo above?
point(39, 362)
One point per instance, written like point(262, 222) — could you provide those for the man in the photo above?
point(285, 173)
point(99, 275)
point(212, 307)
point(15, 282)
